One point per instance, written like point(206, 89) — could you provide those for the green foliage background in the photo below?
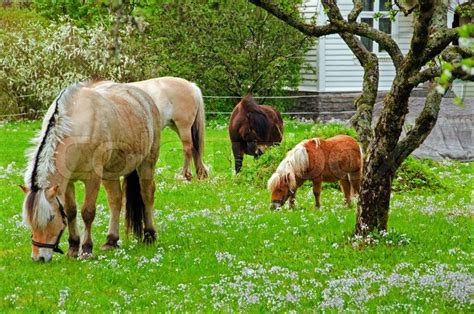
point(226, 47)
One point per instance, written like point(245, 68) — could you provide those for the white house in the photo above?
point(338, 79)
point(338, 70)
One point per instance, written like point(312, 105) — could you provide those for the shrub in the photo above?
point(36, 62)
point(416, 174)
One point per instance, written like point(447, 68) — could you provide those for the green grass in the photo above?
point(220, 248)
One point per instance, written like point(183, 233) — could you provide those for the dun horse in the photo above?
point(181, 107)
point(252, 128)
point(335, 159)
point(92, 133)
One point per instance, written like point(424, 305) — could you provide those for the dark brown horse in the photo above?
point(252, 128)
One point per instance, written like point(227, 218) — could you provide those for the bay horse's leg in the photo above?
point(346, 189)
point(147, 189)
point(114, 198)
point(238, 151)
point(187, 140)
point(88, 213)
point(71, 212)
point(317, 191)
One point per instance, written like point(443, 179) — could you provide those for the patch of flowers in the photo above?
point(389, 238)
point(426, 282)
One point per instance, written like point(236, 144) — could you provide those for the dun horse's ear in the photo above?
point(52, 191)
point(24, 188)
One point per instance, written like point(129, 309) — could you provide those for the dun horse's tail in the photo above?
point(134, 206)
point(197, 133)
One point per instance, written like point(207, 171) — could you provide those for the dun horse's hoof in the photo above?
point(149, 236)
point(85, 255)
point(112, 243)
point(74, 253)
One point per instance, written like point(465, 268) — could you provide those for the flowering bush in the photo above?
point(36, 62)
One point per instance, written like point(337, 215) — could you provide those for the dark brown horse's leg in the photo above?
point(114, 198)
point(71, 213)
point(88, 214)
point(238, 151)
point(346, 189)
point(317, 191)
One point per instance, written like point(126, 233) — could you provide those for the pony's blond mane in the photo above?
point(294, 165)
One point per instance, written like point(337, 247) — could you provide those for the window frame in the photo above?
point(376, 25)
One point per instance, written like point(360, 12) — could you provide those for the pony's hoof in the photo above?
point(201, 175)
point(149, 237)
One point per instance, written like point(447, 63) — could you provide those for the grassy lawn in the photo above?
point(220, 248)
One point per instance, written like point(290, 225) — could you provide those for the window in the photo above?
point(382, 22)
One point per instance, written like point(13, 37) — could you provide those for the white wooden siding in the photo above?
point(338, 68)
point(309, 80)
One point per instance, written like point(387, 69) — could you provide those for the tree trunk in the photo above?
point(374, 201)
point(379, 166)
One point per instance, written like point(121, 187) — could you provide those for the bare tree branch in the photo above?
point(402, 8)
point(437, 43)
point(421, 27)
point(337, 25)
point(354, 14)
point(295, 21)
point(424, 123)
point(425, 75)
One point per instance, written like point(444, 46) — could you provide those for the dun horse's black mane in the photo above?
point(51, 123)
point(258, 119)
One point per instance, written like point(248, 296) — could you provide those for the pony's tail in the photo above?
point(197, 134)
point(134, 206)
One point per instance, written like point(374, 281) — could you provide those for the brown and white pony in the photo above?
point(92, 133)
point(335, 159)
point(252, 128)
point(181, 107)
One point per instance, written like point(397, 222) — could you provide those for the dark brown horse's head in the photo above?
point(258, 126)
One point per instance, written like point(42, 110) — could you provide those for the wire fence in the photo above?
point(290, 113)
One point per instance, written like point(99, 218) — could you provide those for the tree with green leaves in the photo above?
point(228, 47)
point(428, 58)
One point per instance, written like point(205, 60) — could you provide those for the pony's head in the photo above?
point(282, 186)
point(44, 213)
point(283, 183)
